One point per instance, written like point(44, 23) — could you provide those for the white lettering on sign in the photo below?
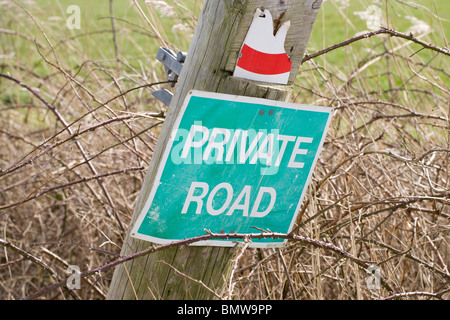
point(296, 151)
point(249, 146)
point(242, 201)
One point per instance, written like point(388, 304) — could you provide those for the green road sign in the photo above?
point(233, 163)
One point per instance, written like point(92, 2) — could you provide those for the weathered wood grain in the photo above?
point(211, 58)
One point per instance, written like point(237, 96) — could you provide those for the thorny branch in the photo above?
point(209, 236)
point(383, 30)
point(68, 184)
point(214, 236)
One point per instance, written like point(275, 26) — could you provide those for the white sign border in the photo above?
point(233, 98)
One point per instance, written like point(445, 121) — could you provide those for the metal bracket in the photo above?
point(173, 64)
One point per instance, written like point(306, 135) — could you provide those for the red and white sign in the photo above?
point(262, 56)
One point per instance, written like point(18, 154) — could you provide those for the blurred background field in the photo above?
point(78, 126)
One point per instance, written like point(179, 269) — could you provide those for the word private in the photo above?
point(225, 143)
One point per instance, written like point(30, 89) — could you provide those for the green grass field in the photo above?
point(335, 23)
point(137, 43)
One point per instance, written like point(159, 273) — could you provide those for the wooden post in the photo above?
point(212, 56)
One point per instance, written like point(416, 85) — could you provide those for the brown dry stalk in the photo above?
point(70, 137)
point(69, 184)
point(38, 261)
point(210, 236)
point(191, 279)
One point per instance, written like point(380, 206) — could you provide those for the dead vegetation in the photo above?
point(77, 135)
